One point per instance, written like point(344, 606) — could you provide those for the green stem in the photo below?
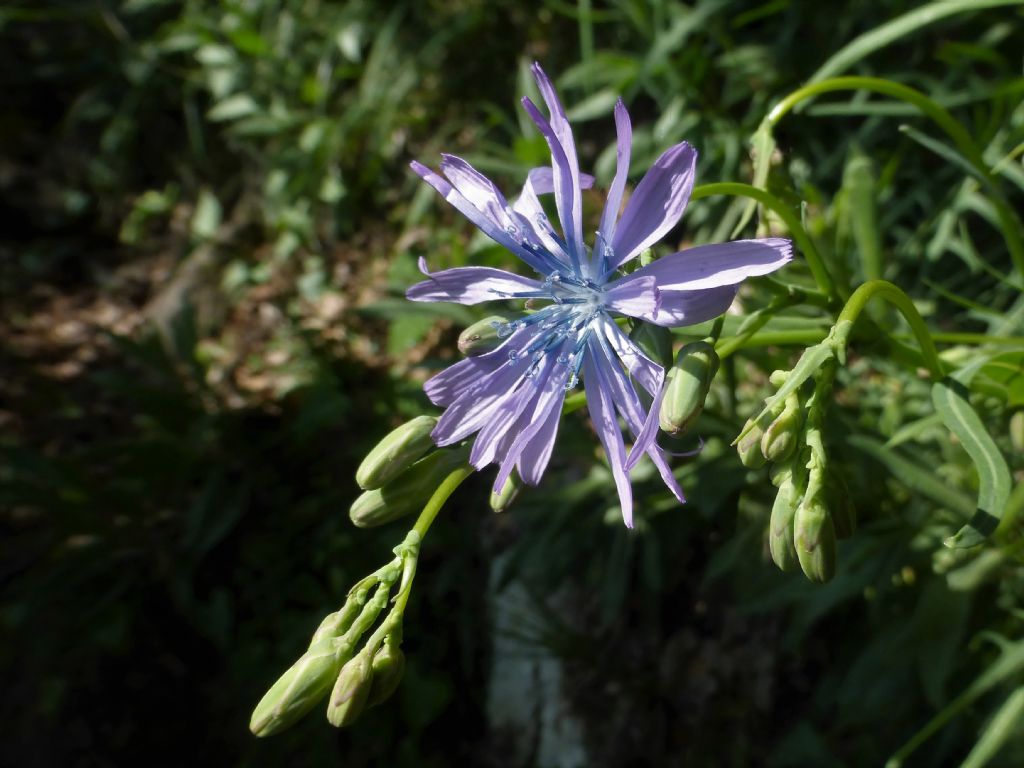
point(975, 338)
point(716, 329)
point(423, 523)
point(902, 302)
point(441, 494)
point(1009, 222)
point(785, 338)
point(817, 265)
point(755, 321)
point(574, 402)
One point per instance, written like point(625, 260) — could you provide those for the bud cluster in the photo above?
point(356, 679)
point(397, 478)
point(812, 507)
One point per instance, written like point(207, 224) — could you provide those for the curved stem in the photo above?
point(817, 266)
point(1009, 222)
point(423, 523)
point(902, 302)
point(716, 329)
point(961, 138)
point(441, 494)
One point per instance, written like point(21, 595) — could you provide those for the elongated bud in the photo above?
point(407, 493)
point(780, 526)
point(655, 341)
point(335, 624)
point(840, 505)
point(688, 383)
point(815, 539)
point(482, 336)
point(299, 689)
point(781, 436)
point(348, 699)
point(504, 499)
point(749, 446)
point(1017, 431)
point(396, 452)
point(388, 668)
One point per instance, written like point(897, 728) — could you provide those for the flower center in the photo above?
point(562, 327)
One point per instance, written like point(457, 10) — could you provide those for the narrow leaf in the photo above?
point(913, 430)
point(762, 145)
point(1009, 663)
point(233, 107)
point(1003, 724)
point(950, 398)
point(915, 476)
point(863, 46)
point(810, 361)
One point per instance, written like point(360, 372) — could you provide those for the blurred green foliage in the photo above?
point(210, 223)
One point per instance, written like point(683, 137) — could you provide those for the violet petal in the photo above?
point(472, 285)
point(657, 203)
point(715, 265)
point(601, 406)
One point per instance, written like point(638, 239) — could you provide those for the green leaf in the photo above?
point(861, 186)
point(1007, 370)
point(947, 153)
point(207, 216)
point(914, 430)
point(1009, 663)
point(950, 398)
point(1005, 723)
point(233, 107)
point(915, 476)
point(762, 146)
point(213, 55)
point(939, 623)
point(866, 44)
point(598, 105)
point(249, 41)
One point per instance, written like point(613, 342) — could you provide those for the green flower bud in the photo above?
point(388, 668)
point(749, 446)
point(655, 341)
point(1017, 431)
point(396, 452)
point(407, 493)
point(503, 500)
point(780, 526)
point(300, 688)
point(840, 504)
point(348, 699)
point(781, 436)
point(688, 383)
point(335, 624)
point(815, 539)
point(482, 336)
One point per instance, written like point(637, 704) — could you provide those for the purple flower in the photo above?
point(511, 398)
